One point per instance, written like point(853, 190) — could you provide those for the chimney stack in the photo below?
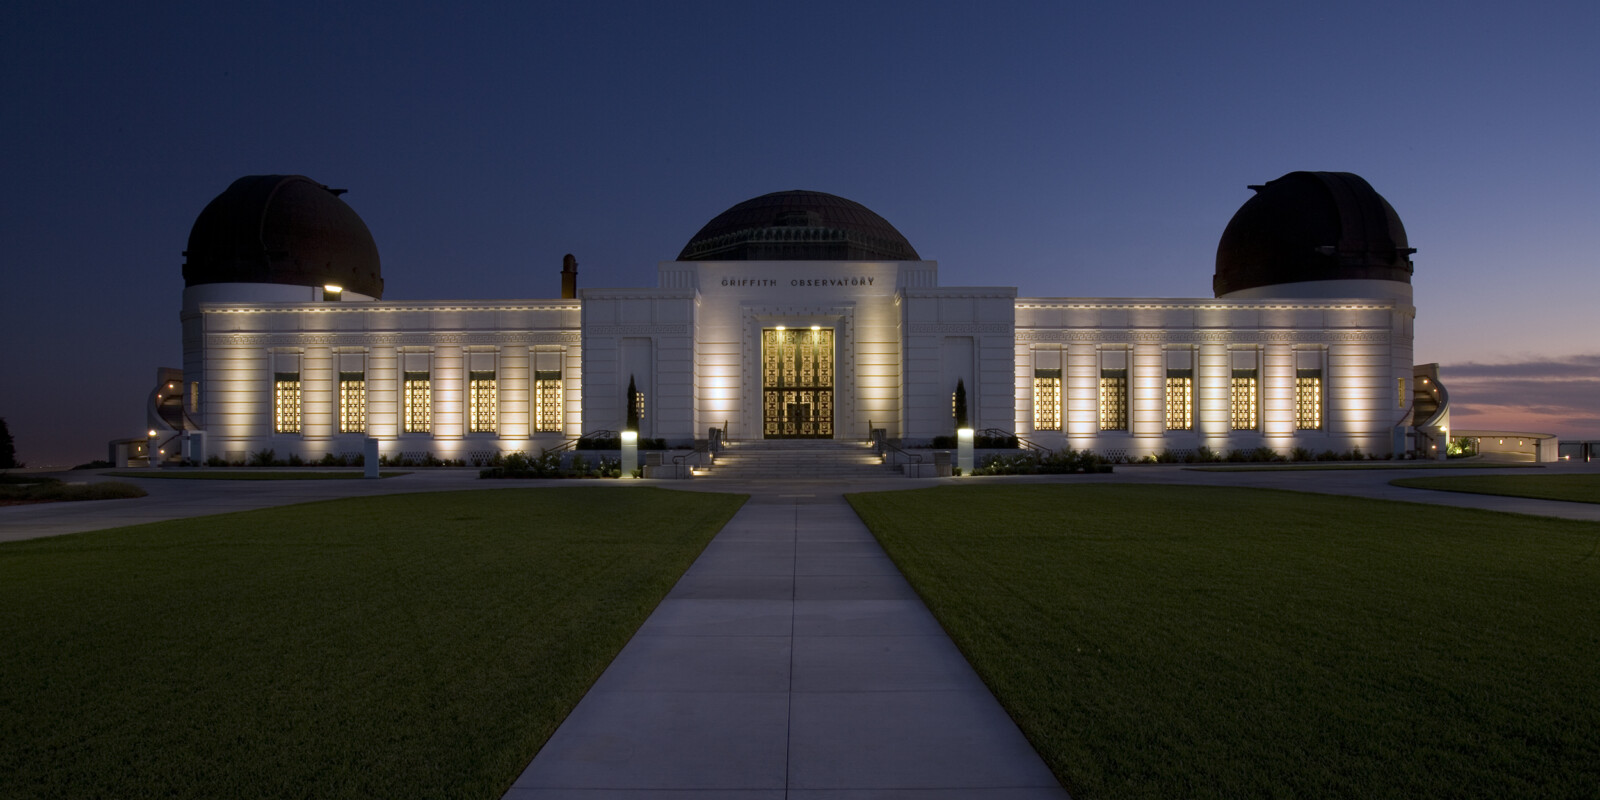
point(569, 277)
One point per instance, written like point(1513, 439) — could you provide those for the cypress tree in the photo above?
point(961, 404)
point(633, 407)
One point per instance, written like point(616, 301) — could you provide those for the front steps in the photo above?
point(796, 459)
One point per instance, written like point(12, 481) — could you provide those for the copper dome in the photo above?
point(285, 229)
point(1312, 226)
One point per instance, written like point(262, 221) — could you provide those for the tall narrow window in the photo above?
point(1180, 399)
point(194, 397)
point(547, 401)
point(482, 402)
point(352, 402)
point(1113, 390)
point(1047, 399)
point(638, 405)
point(417, 397)
point(286, 402)
point(1180, 388)
point(1308, 399)
point(1244, 390)
point(1113, 399)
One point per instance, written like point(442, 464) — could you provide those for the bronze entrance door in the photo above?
point(797, 383)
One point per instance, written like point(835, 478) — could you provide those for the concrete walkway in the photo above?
point(792, 660)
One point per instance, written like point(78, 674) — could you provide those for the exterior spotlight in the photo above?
point(781, 328)
point(816, 327)
point(332, 288)
point(152, 431)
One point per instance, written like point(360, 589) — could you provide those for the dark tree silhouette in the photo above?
point(8, 450)
point(961, 404)
point(633, 407)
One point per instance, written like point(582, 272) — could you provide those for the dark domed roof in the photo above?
point(798, 226)
point(1312, 226)
point(282, 229)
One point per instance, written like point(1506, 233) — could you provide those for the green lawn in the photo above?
point(309, 475)
point(15, 489)
point(1574, 488)
point(1304, 466)
point(1212, 642)
point(407, 646)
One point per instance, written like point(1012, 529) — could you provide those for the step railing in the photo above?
point(572, 444)
point(888, 451)
point(1022, 441)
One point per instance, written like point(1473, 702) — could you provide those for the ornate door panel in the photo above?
point(797, 383)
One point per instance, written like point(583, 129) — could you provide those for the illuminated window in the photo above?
point(1402, 393)
point(286, 402)
point(352, 402)
point(482, 402)
point(1244, 408)
point(417, 395)
point(194, 397)
point(1308, 399)
point(1180, 399)
point(1113, 399)
point(1047, 399)
point(638, 405)
point(547, 401)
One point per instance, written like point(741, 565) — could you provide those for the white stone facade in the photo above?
point(692, 346)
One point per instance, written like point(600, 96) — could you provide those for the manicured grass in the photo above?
point(15, 489)
point(1573, 488)
point(251, 476)
point(1213, 642)
point(407, 646)
point(1320, 465)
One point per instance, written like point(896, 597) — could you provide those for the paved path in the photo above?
point(792, 660)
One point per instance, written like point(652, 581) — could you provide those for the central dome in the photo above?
point(798, 226)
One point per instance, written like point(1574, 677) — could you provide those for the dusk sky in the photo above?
point(1064, 149)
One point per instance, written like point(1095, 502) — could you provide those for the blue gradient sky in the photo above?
point(1066, 151)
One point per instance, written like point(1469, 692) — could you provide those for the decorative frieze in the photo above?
point(364, 340)
point(1098, 336)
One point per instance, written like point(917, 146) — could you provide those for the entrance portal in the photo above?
point(797, 383)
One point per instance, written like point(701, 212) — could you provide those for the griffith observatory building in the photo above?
point(796, 314)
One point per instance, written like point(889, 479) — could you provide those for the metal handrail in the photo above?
point(1022, 441)
point(572, 444)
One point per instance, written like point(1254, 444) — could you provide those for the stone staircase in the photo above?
point(796, 459)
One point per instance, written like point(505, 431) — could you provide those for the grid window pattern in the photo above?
point(1244, 407)
point(1308, 399)
point(547, 401)
point(417, 397)
point(352, 402)
point(483, 402)
point(1047, 399)
point(1113, 399)
point(1180, 399)
point(638, 406)
point(286, 402)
